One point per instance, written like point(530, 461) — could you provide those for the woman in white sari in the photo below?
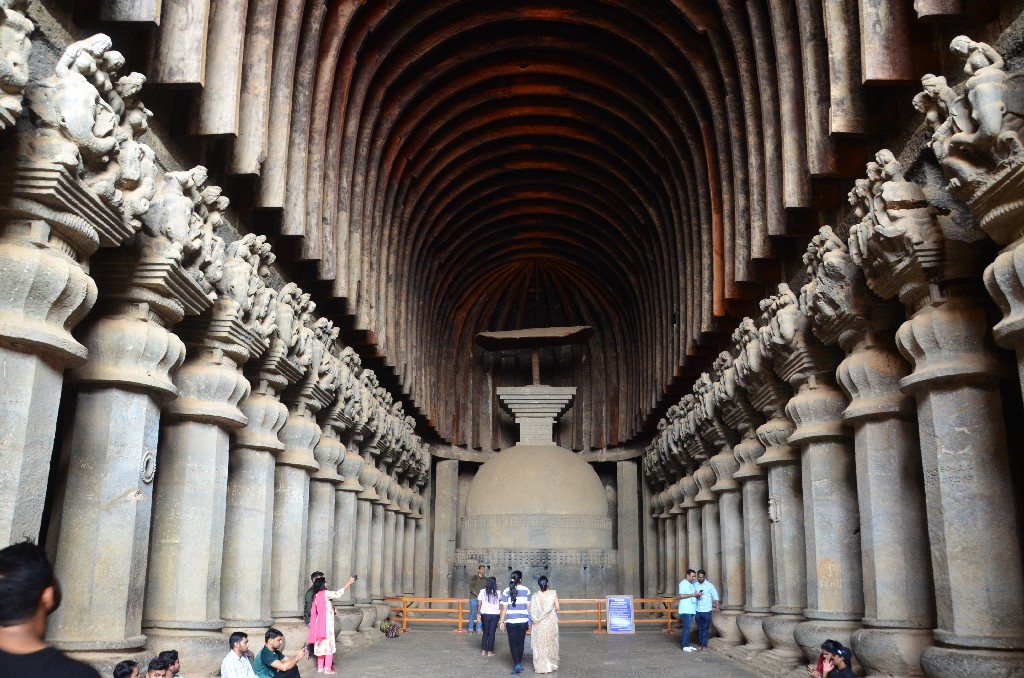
point(544, 615)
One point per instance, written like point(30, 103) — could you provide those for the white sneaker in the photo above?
point(689, 649)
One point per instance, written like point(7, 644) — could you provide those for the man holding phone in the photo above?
point(271, 662)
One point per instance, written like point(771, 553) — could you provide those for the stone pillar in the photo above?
point(111, 450)
point(246, 565)
point(694, 547)
point(188, 539)
point(955, 383)
point(421, 504)
point(364, 528)
point(739, 414)
point(967, 484)
point(657, 505)
point(731, 525)
point(899, 607)
point(289, 572)
point(711, 537)
point(377, 544)
point(769, 395)
point(401, 514)
point(835, 594)
point(51, 222)
point(345, 525)
point(649, 543)
point(678, 524)
point(669, 555)
point(390, 541)
point(446, 479)
point(409, 555)
point(320, 546)
point(49, 292)
point(629, 527)
point(898, 601)
point(729, 579)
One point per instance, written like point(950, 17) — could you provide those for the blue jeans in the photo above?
point(473, 626)
point(704, 627)
point(687, 625)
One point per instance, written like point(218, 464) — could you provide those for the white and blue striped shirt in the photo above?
point(518, 613)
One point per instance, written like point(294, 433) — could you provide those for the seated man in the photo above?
point(127, 669)
point(173, 663)
point(271, 663)
point(236, 662)
point(837, 665)
point(158, 668)
point(28, 594)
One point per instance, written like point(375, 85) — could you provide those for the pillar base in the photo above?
point(369, 621)
point(726, 624)
point(348, 620)
point(751, 625)
point(785, 654)
point(105, 661)
point(383, 609)
point(891, 652)
point(948, 662)
point(812, 633)
point(204, 649)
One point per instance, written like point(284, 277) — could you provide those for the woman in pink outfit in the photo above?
point(321, 624)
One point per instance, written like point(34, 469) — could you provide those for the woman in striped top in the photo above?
point(515, 603)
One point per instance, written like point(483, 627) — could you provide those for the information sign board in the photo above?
point(620, 614)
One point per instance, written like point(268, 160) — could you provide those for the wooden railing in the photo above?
point(410, 610)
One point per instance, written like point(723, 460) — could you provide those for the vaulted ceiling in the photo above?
point(446, 167)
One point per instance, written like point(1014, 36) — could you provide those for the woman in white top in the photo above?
point(488, 611)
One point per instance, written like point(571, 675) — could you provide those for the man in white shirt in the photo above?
point(687, 607)
point(236, 664)
point(707, 598)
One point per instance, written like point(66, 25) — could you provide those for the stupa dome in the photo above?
point(536, 496)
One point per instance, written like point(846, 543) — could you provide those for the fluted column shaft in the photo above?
point(968, 489)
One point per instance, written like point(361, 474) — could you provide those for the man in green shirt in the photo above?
point(476, 583)
point(271, 663)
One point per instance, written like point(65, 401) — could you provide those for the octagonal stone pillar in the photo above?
point(248, 520)
point(183, 593)
point(967, 484)
point(106, 501)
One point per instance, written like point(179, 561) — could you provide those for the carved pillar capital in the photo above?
point(946, 344)
point(705, 478)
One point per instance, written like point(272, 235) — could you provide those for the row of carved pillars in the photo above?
point(247, 497)
point(890, 513)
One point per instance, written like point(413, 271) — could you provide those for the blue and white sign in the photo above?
point(620, 614)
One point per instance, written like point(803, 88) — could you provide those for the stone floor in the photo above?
point(430, 653)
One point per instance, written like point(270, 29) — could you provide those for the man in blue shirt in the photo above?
point(687, 606)
point(706, 598)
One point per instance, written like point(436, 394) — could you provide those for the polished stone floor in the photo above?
point(584, 655)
